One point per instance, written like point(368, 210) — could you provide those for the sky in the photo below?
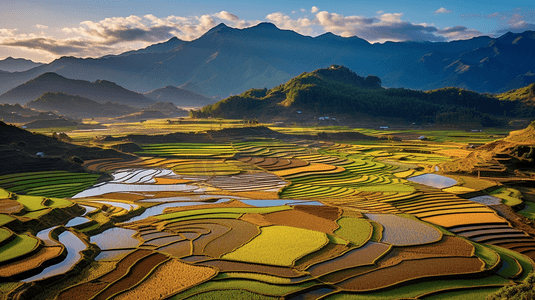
point(46, 30)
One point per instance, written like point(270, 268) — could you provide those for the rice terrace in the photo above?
point(262, 214)
point(238, 150)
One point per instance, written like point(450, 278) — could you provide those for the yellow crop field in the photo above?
point(279, 245)
point(458, 190)
point(451, 220)
point(169, 278)
point(309, 168)
point(29, 263)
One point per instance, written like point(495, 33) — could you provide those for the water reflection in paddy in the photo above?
point(112, 255)
point(115, 238)
point(158, 209)
point(434, 180)
point(88, 209)
point(77, 221)
point(106, 188)
point(126, 206)
point(44, 235)
point(190, 198)
point(73, 246)
point(278, 202)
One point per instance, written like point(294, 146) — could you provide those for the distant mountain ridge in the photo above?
point(78, 107)
point(100, 90)
point(11, 64)
point(179, 97)
point(227, 61)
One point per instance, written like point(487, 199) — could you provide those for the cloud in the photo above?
point(517, 23)
point(283, 21)
point(119, 34)
point(303, 10)
point(55, 46)
point(41, 26)
point(385, 27)
point(4, 32)
point(442, 10)
point(314, 9)
point(459, 33)
point(226, 16)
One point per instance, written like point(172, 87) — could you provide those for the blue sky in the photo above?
point(46, 30)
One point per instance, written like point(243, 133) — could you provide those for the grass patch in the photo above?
point(510, 197)
point(486, 254)
point(4, 219)
point(279, 245)
point(231, 294)
point(255, 276)
point(529, 210)
point(414, 290)
point(357, 231)
point(4, 234)
point(234, 210)
point(526, 263)
point(377, 232)
point(399, 188)
point(476, 294)
point(250, 285)
point(22, 244)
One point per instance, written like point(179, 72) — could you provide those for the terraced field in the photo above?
point(260, 219)
point(57, 184)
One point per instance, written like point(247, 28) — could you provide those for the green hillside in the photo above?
point(339, 91)
point(526, 94)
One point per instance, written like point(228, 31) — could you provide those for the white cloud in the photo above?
point(442, 10)
point(4, 32)
point(314, 9)
point(283, 21)
point(459, 33)
point(39, 26)
point(226, 16)
point(303, 10)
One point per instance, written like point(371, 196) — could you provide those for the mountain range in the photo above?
point(78, 107)
point(11, 64)
point(101, 91)
point(226, 61)
point(179, 97)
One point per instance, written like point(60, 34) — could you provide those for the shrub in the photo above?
point(525, 290)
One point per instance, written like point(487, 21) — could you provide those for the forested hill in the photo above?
point(338, 90)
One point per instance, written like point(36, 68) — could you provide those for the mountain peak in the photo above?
point(49, 75)
point(220, 25)
point(265, 25)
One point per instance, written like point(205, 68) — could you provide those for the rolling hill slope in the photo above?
point(337, 91)
point(101, 90)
